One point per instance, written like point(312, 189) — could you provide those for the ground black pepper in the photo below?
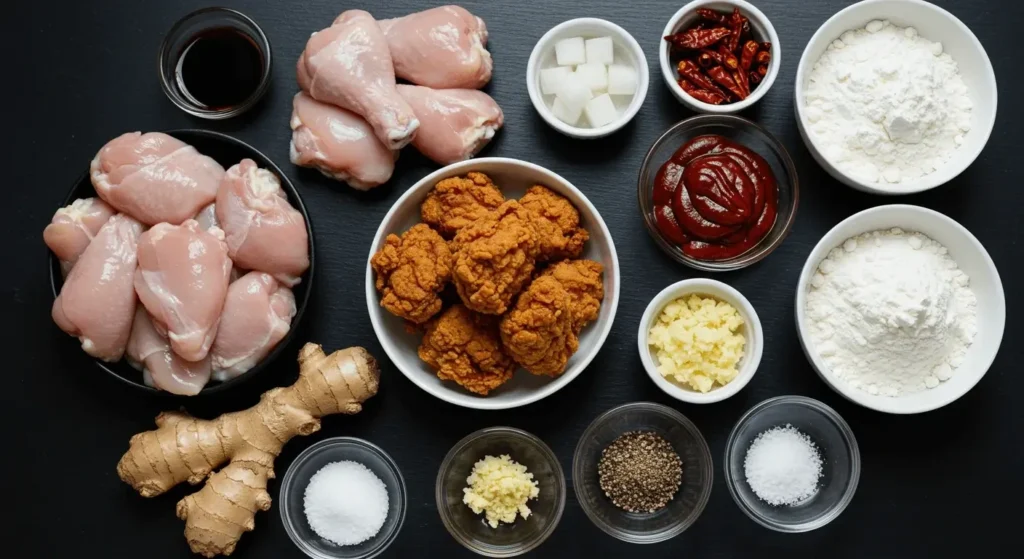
point(640, 472)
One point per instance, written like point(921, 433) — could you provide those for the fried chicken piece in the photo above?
point(557, 222)
point(494, 257)
point(456, 202)
point(582, 279)
point(538, 333)
point(464, 347)
point(411, 272)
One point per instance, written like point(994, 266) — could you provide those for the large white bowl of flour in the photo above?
point(970, 257)
point(902, 92)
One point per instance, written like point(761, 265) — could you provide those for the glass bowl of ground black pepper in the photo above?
point(642, 472)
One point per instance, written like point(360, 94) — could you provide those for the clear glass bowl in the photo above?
point(687, 505)
point(307, 463)
point(181, 35)
point(739, 130)
point(471, 530)
point(839, 455)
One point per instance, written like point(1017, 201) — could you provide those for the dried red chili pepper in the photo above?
point(763, 57)
point(703, 95)
point(721, 77)
point(754, 78)
point(740, 77)
point(766, 45)
point(735, 30)
point(697, 38)
point(728, 59)
point(689, 71)
point(708, 58)
point(711, 15)
point(763, 70)
point(747, 54)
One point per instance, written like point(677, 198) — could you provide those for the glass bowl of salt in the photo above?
point(792, 464)
point(342, 498)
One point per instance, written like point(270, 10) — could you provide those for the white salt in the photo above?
point(345, 503)
point(782, 466)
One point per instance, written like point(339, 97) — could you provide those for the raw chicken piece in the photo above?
point(207, 217)
point(97, 301)
point(154, 178)
point(257, 315)
point(441, 48)
point(264, 232)
point(151, 353)
point(455, 123)
point(348, 65)
point(182, 280)
point(339, 143)
point(73, 228)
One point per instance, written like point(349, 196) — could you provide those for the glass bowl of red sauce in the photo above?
point(718, 192)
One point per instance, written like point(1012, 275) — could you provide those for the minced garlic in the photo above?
point(500, 488)
point(698, 342)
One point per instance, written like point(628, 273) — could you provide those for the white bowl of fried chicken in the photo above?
point(492, 283)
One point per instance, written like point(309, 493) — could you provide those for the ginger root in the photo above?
point(184, 448)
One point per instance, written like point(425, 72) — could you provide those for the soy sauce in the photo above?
point(219, 69)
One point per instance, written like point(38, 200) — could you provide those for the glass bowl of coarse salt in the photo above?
point(342, 498)
point(792, 464)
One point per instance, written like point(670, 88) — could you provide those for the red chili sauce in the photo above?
point(715, 198)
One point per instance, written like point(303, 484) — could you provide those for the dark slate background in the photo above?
point(940, 484)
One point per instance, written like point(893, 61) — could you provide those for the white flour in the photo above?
point(886, 104)
point(890, 313)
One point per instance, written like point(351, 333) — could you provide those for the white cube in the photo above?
point(570, 52)
point(551, 79)
point(600, 50)
point(574, 93)
point(621, 80)
point(564, 113)
point(601, 110)
point(594, 75)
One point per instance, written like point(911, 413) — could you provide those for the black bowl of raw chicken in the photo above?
point(280, 293)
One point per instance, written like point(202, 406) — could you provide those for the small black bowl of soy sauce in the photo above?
point(215, 63)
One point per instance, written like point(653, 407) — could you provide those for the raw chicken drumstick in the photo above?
point(349, 65)
point(73, 228)
point(258, 313)
point(339, 143)
point(161, 367)
point(455, 124)
point(441, 47)
point(264, 232)
point(154, 178)
point(97, 301)
point(182, 280)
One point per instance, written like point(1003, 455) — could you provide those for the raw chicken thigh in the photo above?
point(207, 217)
point(97, 301)
point(182, 280)
point(264, 232)
point(455, 124)
point(339, 143)
point(257, 315)
point(348, 65)
point(73, 228)
point(162, 368)
point(441, 48)
point(155, 178)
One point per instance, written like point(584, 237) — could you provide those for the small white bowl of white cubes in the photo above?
point(587, 77)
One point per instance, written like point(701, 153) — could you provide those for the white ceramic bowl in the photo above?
point(513, 177)
point(762, 30)
point(933, 23)
point(970, 256)
point(626, 50)
point(751, 331)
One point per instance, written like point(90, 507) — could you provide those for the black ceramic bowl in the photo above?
point(227, 151)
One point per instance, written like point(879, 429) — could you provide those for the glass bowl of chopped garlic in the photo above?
point(500, 492)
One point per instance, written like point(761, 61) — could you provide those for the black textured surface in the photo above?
point(940, 484)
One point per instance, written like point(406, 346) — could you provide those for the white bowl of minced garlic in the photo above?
point(700, 341)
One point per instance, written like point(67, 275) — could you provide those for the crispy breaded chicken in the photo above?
point(456, 202)
point(557, 222)
point(411, 272)
point(582, 279)
point(464, 347)
point(494, 257)
point(538, 332)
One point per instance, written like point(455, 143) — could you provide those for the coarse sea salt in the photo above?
point(782, 466)
point(345, 503)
